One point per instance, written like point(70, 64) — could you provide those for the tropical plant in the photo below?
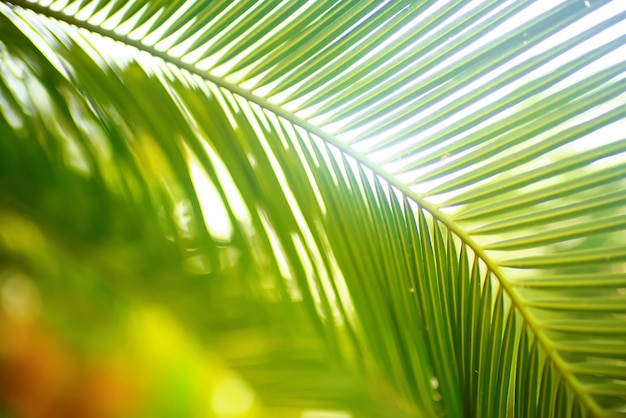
point(400, 208)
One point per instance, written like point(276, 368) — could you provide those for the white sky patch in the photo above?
point(235, 200)
point(277, 248)
point(215, 215)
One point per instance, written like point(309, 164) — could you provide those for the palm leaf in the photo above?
point(421, 203)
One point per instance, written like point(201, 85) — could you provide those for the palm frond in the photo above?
point(439, 186)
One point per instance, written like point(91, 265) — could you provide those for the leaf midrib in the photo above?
point(547, 345)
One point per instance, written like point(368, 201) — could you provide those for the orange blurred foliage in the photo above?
point(43, 377)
